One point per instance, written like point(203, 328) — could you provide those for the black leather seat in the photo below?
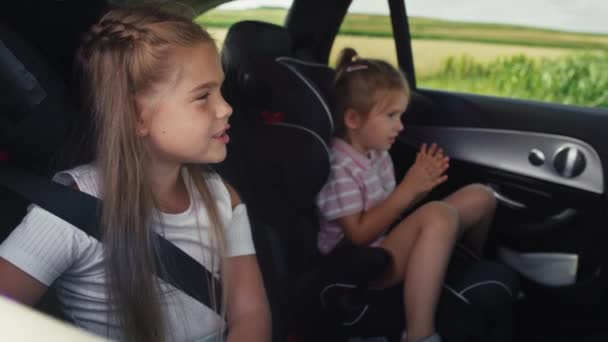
point(36, 114)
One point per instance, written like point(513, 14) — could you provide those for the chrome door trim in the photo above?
point(508, 150)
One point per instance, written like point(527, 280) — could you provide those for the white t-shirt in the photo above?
point(55, 252)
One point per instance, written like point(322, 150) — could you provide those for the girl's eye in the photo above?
point(203, 97)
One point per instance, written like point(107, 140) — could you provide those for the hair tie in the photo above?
point(356, 67)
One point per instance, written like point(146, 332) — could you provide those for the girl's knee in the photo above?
point(482, 195)
point(441, 215)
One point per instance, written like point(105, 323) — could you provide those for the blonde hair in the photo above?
point(358, 83)
point(126, 54)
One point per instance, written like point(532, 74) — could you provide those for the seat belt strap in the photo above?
point(82, 210)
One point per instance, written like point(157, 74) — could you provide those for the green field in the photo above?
point(225, 18)
point(490, 59)
point(425, 28)
point(578, 79)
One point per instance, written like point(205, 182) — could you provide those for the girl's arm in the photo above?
point(247, 310)
point(364, 227)
point(247, 307)
point(19, 285)
point(426, 173)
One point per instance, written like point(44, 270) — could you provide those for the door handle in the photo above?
point(506, 201)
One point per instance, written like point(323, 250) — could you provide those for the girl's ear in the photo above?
point(352, 119)
point(142, 115)
point(141, 129)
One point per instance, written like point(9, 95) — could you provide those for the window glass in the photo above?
point(543, 50)
point(366, 28)
point(218, 20)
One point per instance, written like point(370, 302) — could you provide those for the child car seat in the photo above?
point(287, 161)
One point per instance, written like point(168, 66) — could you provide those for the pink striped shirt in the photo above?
point(356, 183)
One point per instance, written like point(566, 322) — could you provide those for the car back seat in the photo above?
point(35, 116)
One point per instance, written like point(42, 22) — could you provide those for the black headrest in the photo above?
point(261, 75)
point(248, 42)
point(290, 151)
point(35, 110)
point(304, 90)
point(321, 75)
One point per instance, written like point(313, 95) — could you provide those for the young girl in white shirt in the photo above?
point(152, 81)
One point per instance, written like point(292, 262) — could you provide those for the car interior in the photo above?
point(546, 163)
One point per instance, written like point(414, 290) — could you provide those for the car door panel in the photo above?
point(497, 141)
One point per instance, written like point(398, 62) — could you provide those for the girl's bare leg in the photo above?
point(476, 206)
point(421, 246)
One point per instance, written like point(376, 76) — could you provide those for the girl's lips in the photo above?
point(222, 131)
point(223, 136)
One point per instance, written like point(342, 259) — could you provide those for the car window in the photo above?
point(367, 29)
point(546, 50)
point(218, 20)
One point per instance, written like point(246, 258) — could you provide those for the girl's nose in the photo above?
point(225, 109)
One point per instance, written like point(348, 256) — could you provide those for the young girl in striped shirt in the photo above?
point(361, 200)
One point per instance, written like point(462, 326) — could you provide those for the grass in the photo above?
point(578, 79)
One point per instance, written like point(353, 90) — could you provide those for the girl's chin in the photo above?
point(211, 156)
point(216, 156)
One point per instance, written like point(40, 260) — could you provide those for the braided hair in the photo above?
point(126, 54)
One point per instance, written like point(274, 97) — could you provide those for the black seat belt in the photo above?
point(81, 210)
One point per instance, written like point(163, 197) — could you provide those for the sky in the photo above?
point(568, 15)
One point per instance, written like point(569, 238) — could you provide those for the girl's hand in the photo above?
point(427, 171)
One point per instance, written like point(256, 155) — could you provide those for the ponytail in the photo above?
point(346, 57)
